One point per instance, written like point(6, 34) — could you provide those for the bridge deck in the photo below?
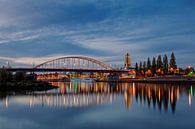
point(65, 70)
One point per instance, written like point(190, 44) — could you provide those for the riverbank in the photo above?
point(161, 80)
point(25, 86)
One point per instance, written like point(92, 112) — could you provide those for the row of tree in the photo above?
point(158, 66)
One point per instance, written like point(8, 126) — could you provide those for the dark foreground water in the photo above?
point(101, 106)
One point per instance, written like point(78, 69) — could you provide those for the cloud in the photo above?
point(95, 28)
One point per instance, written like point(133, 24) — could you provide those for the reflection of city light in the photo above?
point(190, 99)
point(191, 91)
point(71, 94)
point(6, 102)
point(172, 96)
point(159, 95)
point(178, 94)
point(133, 89)
point(190, 96)
point(30, 103)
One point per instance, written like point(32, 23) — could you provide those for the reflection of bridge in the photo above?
point(71, 64)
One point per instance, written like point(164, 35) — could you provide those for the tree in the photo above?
point(144, 67)
point(159, 62)
point(153, 66)
point(165, 64)
point(148, 64)
point(20, 76)
point(140, 67)
point(173, 61)
point(5, 75)
point(136, 67)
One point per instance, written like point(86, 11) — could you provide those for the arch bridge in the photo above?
point(75, 62)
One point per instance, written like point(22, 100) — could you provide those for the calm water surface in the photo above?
point(101, 105)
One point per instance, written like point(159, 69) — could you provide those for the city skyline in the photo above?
point(34, 31)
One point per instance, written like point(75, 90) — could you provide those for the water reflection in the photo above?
point(73, 94)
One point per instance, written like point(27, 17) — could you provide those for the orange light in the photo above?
point(189, 67)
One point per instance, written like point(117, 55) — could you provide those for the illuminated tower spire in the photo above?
point(127, 61)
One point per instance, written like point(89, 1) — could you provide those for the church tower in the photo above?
point(127, 61)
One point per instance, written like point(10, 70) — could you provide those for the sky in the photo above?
point(34, 31)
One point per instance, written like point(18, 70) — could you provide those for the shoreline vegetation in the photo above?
point(21, 82)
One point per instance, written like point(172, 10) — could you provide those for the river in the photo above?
point(100, 105)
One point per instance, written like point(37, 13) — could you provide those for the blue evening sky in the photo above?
point(33, 31)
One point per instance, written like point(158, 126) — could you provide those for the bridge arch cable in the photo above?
point(75, 62)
